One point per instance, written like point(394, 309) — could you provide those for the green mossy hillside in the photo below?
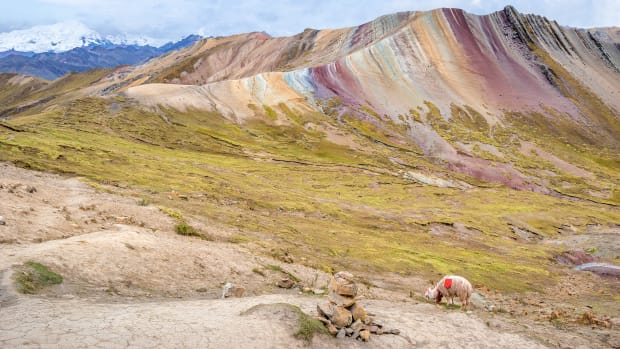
point(331, 206)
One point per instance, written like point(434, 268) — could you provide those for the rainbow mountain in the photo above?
point(414, 78)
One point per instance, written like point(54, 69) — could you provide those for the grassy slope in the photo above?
point(288, 189)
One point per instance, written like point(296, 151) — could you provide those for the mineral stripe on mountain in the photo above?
point(385, 69)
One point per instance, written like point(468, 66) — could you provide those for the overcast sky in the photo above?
point(173, 19)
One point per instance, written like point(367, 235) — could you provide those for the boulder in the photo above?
point(358, 312)
point(340, 300)
point(342, 317)
point(342, 283)
point(326, 310)
point(341, 334)
point(237, 291)
point(285, 283)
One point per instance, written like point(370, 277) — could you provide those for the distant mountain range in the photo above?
point(65, 36)
point(52, 51)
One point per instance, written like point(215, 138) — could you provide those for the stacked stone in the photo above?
point(342, 315)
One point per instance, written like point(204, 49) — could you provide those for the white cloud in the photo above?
point(168, 19)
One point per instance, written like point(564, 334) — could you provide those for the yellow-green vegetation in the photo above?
point(34, 276)
point(328, 205)
point(308, 326)
point(271, 114)
point(182, 228)
point(172, 213)
point(553, 132)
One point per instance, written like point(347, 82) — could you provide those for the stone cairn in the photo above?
point(343, 316)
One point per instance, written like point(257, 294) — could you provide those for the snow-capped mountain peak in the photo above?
point(64, 36)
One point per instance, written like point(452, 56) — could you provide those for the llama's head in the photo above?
point(430, 294)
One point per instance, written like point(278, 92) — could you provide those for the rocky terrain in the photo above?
point(413, 146)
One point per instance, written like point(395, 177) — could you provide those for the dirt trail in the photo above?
point(219, 324)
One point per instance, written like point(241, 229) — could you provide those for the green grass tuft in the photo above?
point(36, 276)
point(308, 326)
point(185, 229)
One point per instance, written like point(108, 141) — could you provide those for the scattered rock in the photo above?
point(238, 291)
point(357, 325)
point(318, 291)
point(588, 318)
point(341, 334)
point(365, 335)
point(2, 222)
point(229, 290)
point(31, 189)
point(285, 283)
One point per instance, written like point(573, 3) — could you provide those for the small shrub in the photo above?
point(172, 213)
point(35, 276)
point(185, 229)
point(274, 267)
point(259, 272)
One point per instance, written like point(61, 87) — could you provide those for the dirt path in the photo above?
point(219, 324)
